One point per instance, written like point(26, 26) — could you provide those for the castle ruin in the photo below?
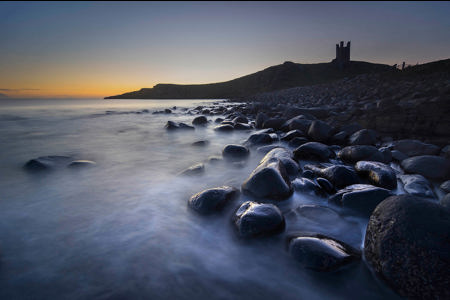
point(342, 54)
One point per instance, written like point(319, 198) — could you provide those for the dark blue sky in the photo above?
point(101, 48)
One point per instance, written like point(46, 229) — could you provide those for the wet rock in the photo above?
point(255, 219)
point(387, 154)
point(185, 126)
point(363, 137)
point(224, 127)
point(297, 142)
point(212, 200)
point(235, 152)
point(360, 197)
point(266, 149)
point(313, 151)
point(326, 185)
point(320, 131)
point(379, 174)
point(240, 119)
point(258, 139)
point(351, 128)
point(241, 126)
point(306, 186)
point(445, 201)
point(320, 253)
point(298, 122)
point(285, 157)
point(275, 123)
point(47, 163)
point(292, 134)
point(200, 143)
point(415, 148)
point(340, 138)
point(269, 180)
point(407, 244)
point(196, 169)
point(445, 186)
point(171, 125)
point(430, 166)
point(167, 111)
point(308, 174)
point(340, 176)
point(200, 120)
point(81, 163)
point(353, 154)
point(417, 185)
point(260, 119)
point(398, 156)
point(218, 120)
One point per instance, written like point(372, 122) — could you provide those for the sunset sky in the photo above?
point(97, 49)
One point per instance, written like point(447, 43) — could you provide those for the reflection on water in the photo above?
point(122, 230)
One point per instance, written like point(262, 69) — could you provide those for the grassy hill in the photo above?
point(274, 78)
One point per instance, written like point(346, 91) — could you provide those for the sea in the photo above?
point(122, 229)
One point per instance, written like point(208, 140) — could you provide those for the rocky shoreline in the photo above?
point(401, 186)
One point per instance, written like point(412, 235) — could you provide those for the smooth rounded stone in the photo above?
point(292, 134)
point(308, 174)
point(212, 200)
point(323, 220)
point(445, 186)
point(196, 169)
point(200, 120)
point(445, 201)
point(298, 123)
point(353, 154)
point(268, 180)
point(224, 127)
point(258, 139)
point(407, 244)
point(320, 131)
point(339, 176)
point(167, 111)
point(47, 162)
point(430, 166)
point(351, 128)
point(326, 185)
point(81, 163)
point(297, 142)
point(200, 143)
point(320, 253)
point(235, 152)
point(417, 185)
point(185, 126)
point(275, 123)
point(415, 148)
point(218, 120)
point(285, 157)
point(171, 125)
point(398, 156)
point(240, 119)
point(306, 186)
point(363, 137)
point(360, 197)
point(386, 153)
point(340, 138)
point(255, 219)
point(260, 119)
point(313, 151)
point(241, 126)
point(379, 174)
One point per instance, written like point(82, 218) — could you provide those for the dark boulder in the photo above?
point(351, 128)
point(353, 154)
point(285, 157)
point(200, 120)
point(258, 139)
point(260, 119)
point(275, 123)
point(224, 127)
point(340, 176)
point(240, 119)
point(379, 174)
point(171, 125)
point(235, 152)
point(313, 151)
point(407, 244)
point(292, 134)
point(185, 126)
point(320, 131)
point(47, 163)
point(242, 126)
point(297, 142)
point(200, 143)
point(430, 166)
point(326, 185)
point(398, 156)
point(212, 200)
point(417, 185)
point(339, 138)
point(415, 148)
point(306, 186)
point(255, 219)
point(298, 122)
point(363, 137)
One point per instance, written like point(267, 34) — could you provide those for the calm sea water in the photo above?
point(122, 230)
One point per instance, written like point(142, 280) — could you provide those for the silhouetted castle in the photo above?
point(342, 54)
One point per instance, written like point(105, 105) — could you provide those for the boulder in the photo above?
point(240, 119)
point(340, 176)
point(430, 166)
point(379, 174)
point(212, 200)
point(445, 186)
point(255, 219)
point(297, 142)
point(398, 156)
point(285, 157)
point(306, 186)
point(242, 126)
point(417, 185)
point(313, 151)
point(326, 185)
point(353, 154)
point(415, 148)
point(185, 126)
point(196, 169)
point(260, 119)
point(299, 122)
point(292, 134)
point(321, 253)
point(258, 139)
point(235, 152)
point(320, 131)
point(200, 120)
point(407, 244)
point(224, 127)
point(275, 123)
point(351, 128)
point(44, 163)
point(362, 198)
point(363, 137)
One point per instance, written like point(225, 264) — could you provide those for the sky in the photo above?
point(98, 49)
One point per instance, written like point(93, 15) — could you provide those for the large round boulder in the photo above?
point(212, 200)
point(47, 163)
point(313, 151)
point(363, 137)
point(200, 120)
point(417, 185)
point(258, 139)
point(415, 147)
point(340, 176)
point(353, 154)
point(379, 174)
point(320, 131)
point(255, 219)
point(430, 166)
point(407, 244)
point(235, 152)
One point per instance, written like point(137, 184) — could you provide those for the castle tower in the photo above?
point(342, 54)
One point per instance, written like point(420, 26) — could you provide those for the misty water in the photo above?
point(122, 229)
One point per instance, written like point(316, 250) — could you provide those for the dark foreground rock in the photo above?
point(212, 200)
point(235, 152)
point(255, 219)
point(44, 163)
point(321, 253)
point(353, 154)
point(200, 120)
point(313, 151)
point(339, 176)
point(430, 166)
point(379, 174)
point(320, 131)
point(363, 137)
point(407, 244)
point(417, 185)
